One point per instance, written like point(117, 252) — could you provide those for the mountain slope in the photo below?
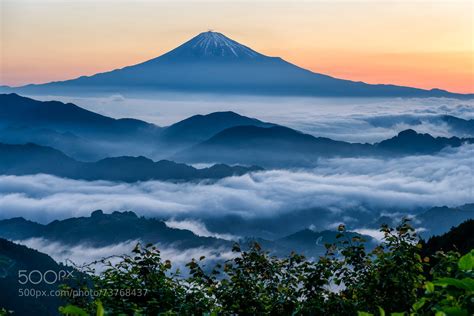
point(34, 159)
point(13, 259)
point(212, 62)
point(458, 238)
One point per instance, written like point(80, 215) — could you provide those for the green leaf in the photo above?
point(364, 314)
point(419, 304)
point(429, 287)
point(455, 311)
point(466, 262)
point(466, 283)
point(397, 314)
point(100, 309)
point(381, 311)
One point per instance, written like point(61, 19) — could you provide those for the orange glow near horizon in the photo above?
point(426, 44)
point(452, 71)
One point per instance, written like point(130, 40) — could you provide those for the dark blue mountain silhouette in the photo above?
point(212, 62)
point(282, 147)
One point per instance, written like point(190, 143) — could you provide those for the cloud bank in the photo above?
point(336, 184)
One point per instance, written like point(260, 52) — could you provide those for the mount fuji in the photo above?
point(213, 63)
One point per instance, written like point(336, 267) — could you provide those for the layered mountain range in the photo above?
point(213, 63)
point(86, 145)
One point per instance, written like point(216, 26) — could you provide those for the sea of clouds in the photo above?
point(336, 184)
point(270, 203)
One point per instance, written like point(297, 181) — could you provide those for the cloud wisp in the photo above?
point(198, 228)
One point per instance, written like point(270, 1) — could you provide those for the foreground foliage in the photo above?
point(391, 279)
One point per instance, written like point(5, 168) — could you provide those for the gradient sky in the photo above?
point(418, 43)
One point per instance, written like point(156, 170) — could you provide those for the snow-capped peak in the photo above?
point(214, 44)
